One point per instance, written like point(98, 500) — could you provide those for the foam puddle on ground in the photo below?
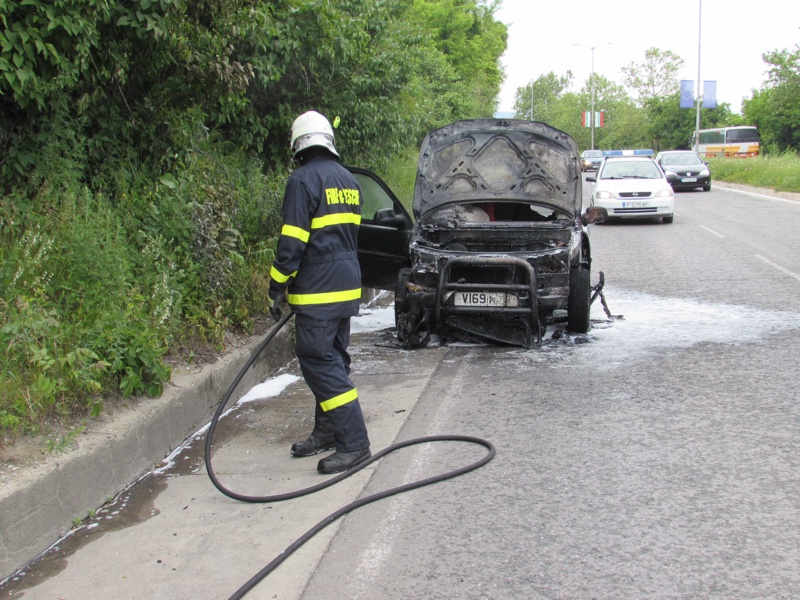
point(649, 323)
point(652, 322)
point(373, 319)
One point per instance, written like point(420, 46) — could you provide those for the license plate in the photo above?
point(689, 179)
point(635, 204)
point(485, 299)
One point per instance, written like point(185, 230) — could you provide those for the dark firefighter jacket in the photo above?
point(317, 249)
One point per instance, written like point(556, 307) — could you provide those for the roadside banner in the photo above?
point(709, 94)
point(687, 93)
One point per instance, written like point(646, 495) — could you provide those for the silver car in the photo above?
point(632, 187)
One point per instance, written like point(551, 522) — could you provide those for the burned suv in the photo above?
point(499, 249)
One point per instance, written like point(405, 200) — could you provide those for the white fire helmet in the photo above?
point(312, 129)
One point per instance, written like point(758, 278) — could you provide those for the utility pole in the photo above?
point(531, 99)
point(699, 97)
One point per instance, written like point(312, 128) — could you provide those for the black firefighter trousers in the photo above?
point(322, 352)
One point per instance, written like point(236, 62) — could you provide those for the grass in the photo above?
point(401, 176)
point(780, 172)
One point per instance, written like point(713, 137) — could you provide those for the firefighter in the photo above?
point(317, 264)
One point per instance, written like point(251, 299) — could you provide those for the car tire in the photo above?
point(401, 305)
point(579, 303)
point(707, 188)
point(668, 219)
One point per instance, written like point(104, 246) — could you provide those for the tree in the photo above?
point(776, 109)
point(541, 97)
point(620, 112)
point(656, 77)
point(146, 77)
point(670, 127)
point(472, 41)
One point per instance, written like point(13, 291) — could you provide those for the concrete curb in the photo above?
point(38, 507)
point(755, 190)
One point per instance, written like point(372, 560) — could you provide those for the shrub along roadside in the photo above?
point(95, 290)
point(144, 152)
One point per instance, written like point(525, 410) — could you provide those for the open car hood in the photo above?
point(490, 160)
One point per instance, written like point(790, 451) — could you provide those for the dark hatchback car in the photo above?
point(685, 170)
point(591, 159)
point(499, 249)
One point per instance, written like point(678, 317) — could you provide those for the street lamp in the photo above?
point(520, 95)
point(591, 82)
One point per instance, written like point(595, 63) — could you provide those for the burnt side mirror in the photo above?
point(594, 214)
point(386, 217)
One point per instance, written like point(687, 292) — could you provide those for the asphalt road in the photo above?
point(655, 457)
point(658, 460)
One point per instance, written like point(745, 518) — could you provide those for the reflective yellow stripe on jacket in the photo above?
point(295, 232)
point(339, 400)
point(335, 219)
point(324, 297)
point(276, 275)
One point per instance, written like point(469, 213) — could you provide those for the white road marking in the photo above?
point(384, 538)
point(712, 231)
point(777, 266)
point(764, 196)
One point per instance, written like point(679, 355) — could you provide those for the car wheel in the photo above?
point(579, 305)
point(707, 188)
point(401, 296)
point(668, 219)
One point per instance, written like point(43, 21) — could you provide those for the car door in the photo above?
point(384, 234)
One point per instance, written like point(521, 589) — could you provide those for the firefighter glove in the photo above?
point(276, 300)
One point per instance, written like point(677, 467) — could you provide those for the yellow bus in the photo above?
point(741, 142)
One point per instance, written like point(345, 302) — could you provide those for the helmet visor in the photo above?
point(314, 139)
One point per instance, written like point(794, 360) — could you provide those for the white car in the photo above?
point(632, 187)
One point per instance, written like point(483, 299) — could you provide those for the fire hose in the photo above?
point(328, 482)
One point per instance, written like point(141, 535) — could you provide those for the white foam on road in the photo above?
point(373, 319)
point(269, 389)
point(652, 322)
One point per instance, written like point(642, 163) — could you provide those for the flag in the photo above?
point(687, 93)
point(599, 118)
point(709, 94)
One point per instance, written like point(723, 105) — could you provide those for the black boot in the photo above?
point(342, 461)
point(321, 438)
point(316, 443)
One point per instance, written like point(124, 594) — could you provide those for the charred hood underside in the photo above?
point(498, 241)
point(490, 160)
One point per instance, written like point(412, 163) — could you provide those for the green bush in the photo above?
point(144, 151)
point(95, 293)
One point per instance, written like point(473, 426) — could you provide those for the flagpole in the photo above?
point(591, 83)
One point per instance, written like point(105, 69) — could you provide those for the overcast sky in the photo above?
point(735, 34)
